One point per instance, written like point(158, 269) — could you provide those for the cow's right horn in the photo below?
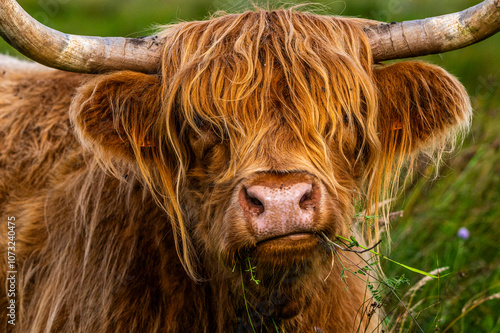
point(75, 53)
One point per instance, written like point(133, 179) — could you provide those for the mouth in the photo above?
point(289, 238)
point(291, 245)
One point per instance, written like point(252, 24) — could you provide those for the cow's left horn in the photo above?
point(434, 35)
point(75, 53)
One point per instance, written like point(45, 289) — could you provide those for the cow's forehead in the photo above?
point(244, 49)
point(281, 65)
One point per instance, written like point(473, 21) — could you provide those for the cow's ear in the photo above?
point(115, 114)
point(420, 106)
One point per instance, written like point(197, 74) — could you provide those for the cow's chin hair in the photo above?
point(287, 271)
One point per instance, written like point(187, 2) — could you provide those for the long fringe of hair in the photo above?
point(227, 70)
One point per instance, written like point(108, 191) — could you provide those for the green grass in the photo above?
point(466, 193)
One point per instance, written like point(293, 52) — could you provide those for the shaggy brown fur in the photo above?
point(129, 221)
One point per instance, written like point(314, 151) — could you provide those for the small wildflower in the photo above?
point(463, 233)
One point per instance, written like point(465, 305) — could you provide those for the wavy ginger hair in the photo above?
point(244, 75)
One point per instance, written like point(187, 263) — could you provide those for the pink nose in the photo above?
point(281, 207)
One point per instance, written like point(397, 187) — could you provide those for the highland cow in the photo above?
point(199, 196)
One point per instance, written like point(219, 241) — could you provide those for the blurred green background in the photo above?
point(465, 194)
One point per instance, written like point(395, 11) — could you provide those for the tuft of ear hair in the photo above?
point(420, 107)
point(115, 114)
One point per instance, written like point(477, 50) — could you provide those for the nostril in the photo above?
point(306, 201)
point(253, 204)
point(305, 197)
point(254, 201)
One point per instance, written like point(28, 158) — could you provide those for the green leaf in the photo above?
point(416, 270)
